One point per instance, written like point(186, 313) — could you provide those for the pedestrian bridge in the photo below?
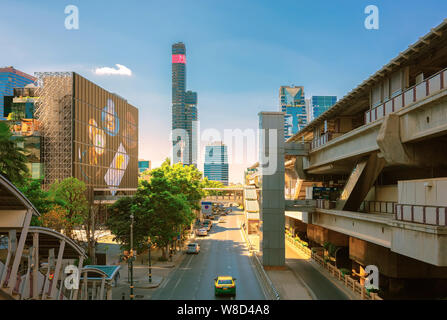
point(224, 195)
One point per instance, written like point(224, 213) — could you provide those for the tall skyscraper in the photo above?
point(11, 78)
point(292, 102)
point(184, 110)
point(216, 162)
point(319, 105)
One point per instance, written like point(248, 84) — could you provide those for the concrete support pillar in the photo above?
point(361, 181)
point(271, 163)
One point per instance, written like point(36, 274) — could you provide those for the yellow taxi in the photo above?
point(225, 285)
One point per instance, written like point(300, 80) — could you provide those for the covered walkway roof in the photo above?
point(12, 199)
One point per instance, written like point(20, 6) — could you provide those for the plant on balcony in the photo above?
point(345, 271)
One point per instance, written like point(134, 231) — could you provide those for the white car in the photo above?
point(193, 248)
point(202, 232)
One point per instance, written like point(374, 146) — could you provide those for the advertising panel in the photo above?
point(105, 137)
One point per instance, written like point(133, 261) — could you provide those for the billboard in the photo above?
point(105, 137)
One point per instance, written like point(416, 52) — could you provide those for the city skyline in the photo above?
point(236, 86)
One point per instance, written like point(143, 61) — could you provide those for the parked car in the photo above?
point(193, 248)
point(225, 286)
point(202, 232)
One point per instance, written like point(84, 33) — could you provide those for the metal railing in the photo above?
point(322, 140)
point(422, 90)
point(266, 283)
point(347, 280)
point(431, 215)
point(265, 280)
point(379, 207)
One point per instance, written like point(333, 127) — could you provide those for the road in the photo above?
point(320, 286)
point(223, 252)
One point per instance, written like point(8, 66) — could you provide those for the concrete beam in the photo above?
point(297, 148)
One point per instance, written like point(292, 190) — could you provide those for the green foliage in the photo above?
point(186, 180)
point(162, 207)
point(164, 213)
point(119, 223)
point(70, 194)
point(212, 184)
point(345, 271)
point(331, 248)
point(12, 157)
point(41, 199)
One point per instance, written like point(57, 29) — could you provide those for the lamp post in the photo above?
point(150, 262)
point(131, 257)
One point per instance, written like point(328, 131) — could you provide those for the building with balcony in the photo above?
point(375, 166)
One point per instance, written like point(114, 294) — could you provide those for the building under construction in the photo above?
point(87, 133)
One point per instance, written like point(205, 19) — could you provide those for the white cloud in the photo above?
point(120, 71)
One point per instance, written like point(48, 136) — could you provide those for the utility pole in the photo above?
point(131, 257)
point(150, 263)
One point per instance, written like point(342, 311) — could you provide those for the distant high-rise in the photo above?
point(216, 162)
point(11, 78)
point(184, 110)
point(143, 165)
point(292, 102)
point(320, 104)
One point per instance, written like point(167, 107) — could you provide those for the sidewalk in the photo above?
point(143, 289)
point(285, 281)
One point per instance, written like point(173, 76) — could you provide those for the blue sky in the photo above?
point(239, 52)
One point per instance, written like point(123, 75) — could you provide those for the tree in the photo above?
point(212, 184)
point(182, 179)
point(119, 223)
point(55, 218)
point(162, 207)
point(164, 213)
point(41, 199)
point(70, 193)
point(12, 157)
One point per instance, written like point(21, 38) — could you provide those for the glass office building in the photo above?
point(11, 78)
point(292, 102)
point(320, 104)
point(216, 162)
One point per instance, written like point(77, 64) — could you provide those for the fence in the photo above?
point(416, 93)
point(379, 206)
point(348, 281)
point(266, 283)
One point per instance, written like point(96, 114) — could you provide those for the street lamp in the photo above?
point(131, 257)
point(149, 245)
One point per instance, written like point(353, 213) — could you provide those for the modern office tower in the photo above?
point(320, 104)
point(11, 78)
point(292, 102)
point(88, 133)
point(216, 162)
point(144, 165)
point(184, 110)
